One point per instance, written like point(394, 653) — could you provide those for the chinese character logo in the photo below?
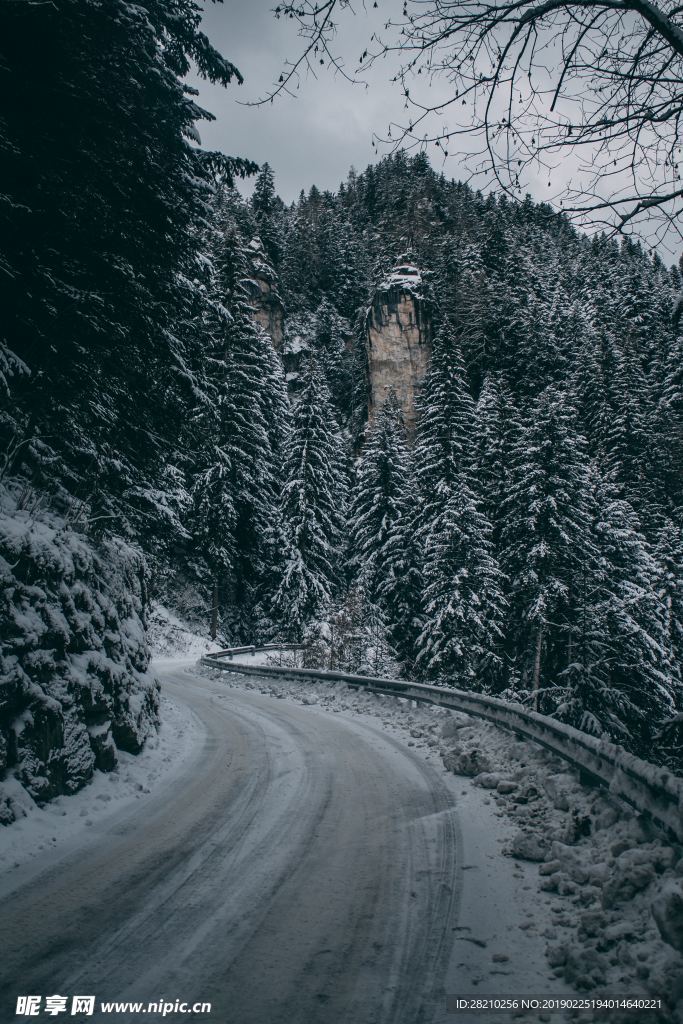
point(83, 1004)
point(28, 1006)
point(55, 1005)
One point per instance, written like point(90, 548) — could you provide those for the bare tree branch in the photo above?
point(584, 94)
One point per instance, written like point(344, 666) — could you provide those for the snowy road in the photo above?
point(302, 867)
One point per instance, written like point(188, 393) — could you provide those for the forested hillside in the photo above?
point(186, 386)
point(525, 538)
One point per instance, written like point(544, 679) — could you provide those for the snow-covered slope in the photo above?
point(170, 637)
point(75, 684)
point(69, 821)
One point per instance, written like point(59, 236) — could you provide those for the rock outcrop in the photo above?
point(399, 340)
point(296, 349)
point(264, 295)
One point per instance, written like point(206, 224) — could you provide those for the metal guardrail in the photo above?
point(253, 649)
point(652, 790)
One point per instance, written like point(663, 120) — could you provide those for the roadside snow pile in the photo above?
point(75, 685)
point(65, 818)
point(616, 888)
point(169, 636)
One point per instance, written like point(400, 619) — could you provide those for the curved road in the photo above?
point(302, 869)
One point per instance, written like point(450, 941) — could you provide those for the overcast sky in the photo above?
point(313, 139)
point(315, 136)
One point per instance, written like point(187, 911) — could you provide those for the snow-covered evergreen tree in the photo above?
point(545, 541)
point(101, 266)
point(383, 554)
point(496, 437)
point(669, 559)
point(313, 508)
point(358, 637)
point(240, 426)
point(331, 335)
point(268, 212)
point(461, 642)
point(620, 680)
point(667, 442)
point(445, 427)
point(103, 285)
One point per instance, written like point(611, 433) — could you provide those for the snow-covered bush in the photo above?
point(74, 666)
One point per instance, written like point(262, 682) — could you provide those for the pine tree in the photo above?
point(496, 437)
point(100, 192)
point(626, 430)
point(358, 637)
point(459, 285)
point(621, 682)
point(103, 288)
point(444, 427)
point(313, 508)
point(264, 197)
point(667, 426)
point(383, 556)
point(267, 208)
point(545, 541)
point(461, 642)
point(343, 265)
point(240, 427)
point(668, 555)
point(332, 332)
point(400, 585)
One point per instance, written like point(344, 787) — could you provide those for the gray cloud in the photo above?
point(311, 139)
point(315, 137)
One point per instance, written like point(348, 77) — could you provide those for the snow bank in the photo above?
point(68, 820)
point(600, 862)
point(169, 636)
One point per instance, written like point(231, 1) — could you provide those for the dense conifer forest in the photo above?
point(526, 541)
point(184, 417)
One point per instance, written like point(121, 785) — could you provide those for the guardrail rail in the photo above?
point(652, 790)
point(254, 649)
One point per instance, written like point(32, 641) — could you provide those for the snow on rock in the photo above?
point(667, 910)
point(404, 277)
point(75, 684)
point(487, 780)
point(472, 762)
point(528, 846)
point(62, 822)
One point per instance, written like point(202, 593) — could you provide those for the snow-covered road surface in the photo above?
point(301, 866)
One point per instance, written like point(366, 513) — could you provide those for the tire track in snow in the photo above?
point(302, 869)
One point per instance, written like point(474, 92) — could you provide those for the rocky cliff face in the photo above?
point(399, 340)
point(265, 299)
